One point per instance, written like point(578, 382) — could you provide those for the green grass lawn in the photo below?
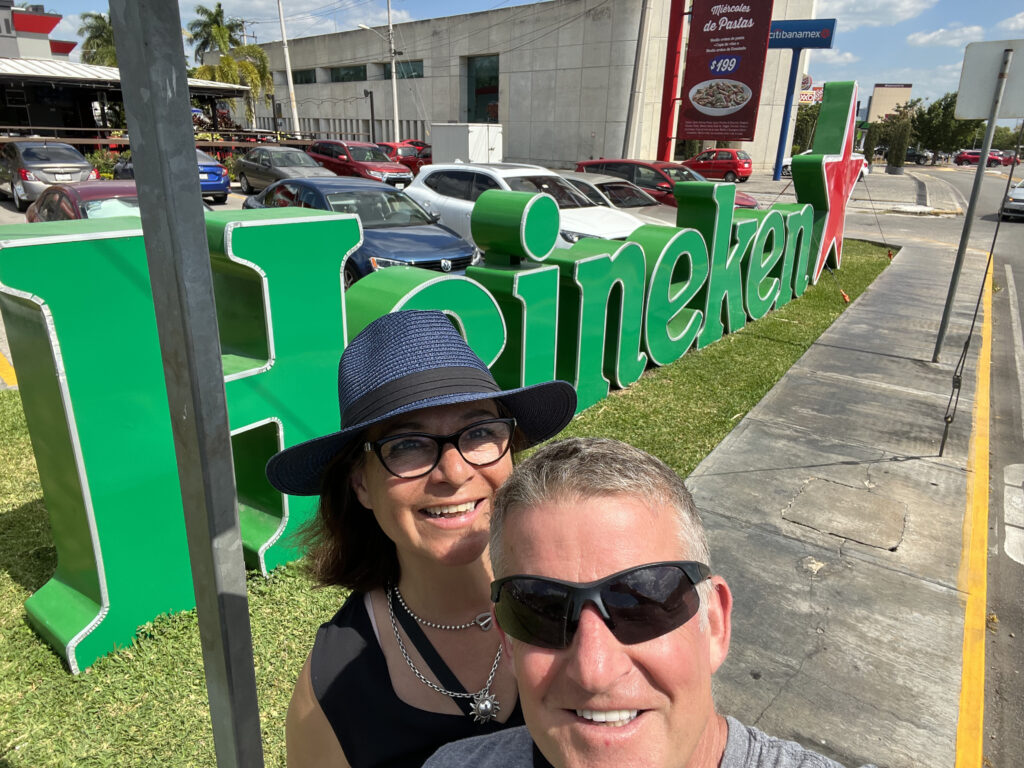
point(147, 706)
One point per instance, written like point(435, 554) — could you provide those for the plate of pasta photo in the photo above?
point(720, 96)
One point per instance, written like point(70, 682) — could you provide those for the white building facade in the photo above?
point(567, 79)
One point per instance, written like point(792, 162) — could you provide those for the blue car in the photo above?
point(396, 230)
point(213, 177)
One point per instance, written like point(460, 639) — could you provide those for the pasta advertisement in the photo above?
point(724, 68)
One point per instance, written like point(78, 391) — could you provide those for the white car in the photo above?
point(616, 192)
point(450, 190)
point(787, 164)
point(1013, 205)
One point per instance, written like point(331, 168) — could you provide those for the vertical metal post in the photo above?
point(369, 94)
point(670, 84)
point(794, 73)
point(155, 90)
point(288, 71)
point(394, 76)
point(979, 176)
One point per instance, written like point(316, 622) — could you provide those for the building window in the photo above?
point(482, 89)
point(303, 76)
point(348, 74)
point(405, 69)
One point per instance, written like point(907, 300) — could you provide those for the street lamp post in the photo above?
point(390, 40)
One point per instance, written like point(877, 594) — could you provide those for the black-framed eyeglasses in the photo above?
point(637, 604)
point(414, 454)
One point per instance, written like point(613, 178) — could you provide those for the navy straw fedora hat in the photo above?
point(405, 361)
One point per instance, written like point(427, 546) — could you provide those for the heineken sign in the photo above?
point(78, 308)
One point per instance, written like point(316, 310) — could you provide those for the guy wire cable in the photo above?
point(954, 395)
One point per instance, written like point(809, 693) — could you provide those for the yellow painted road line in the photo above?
point(7, 372)
point(973, 576)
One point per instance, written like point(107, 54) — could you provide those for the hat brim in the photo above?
point(541, 411)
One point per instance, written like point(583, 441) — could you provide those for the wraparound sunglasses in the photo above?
point(637, 604)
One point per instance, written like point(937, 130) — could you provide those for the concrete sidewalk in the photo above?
point(838, 527)
point(921, 190)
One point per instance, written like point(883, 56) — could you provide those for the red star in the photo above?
point(832, 189)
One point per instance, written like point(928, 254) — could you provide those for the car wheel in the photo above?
point(349, 276)
point(920, 161)
point(991, 163)
point(245, 185)
point(21, 205)
point(220, 199)
point(786, 171)
point(730, 177)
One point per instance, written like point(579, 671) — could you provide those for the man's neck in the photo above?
point(711, 747)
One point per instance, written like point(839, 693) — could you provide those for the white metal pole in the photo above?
point(394, 75)
point(288, 69)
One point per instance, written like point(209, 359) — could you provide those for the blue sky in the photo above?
point(876, 41)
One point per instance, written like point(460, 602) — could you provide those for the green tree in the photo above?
point(97, 35)
point(871, 137)
point(245, 65)
point(1005, 137)
point(937, 128)
point(213, 32)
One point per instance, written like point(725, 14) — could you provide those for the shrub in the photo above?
point(899, 139)
point(103, 160)
point(871, 137)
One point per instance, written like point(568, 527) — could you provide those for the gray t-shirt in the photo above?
point(745, 747)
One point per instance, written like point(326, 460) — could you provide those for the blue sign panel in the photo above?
point(802, 33)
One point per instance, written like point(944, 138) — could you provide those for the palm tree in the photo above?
point(245, 65)
point(98, 40)
point(212, 32)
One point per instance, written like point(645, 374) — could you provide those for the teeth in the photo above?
point(613, 717)
point(450, 510)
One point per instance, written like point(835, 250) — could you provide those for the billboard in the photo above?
point(724, 69)
point(802, 33)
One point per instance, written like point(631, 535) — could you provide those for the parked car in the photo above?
point(357, 158)
point(415, 143)
point(722, 163)
point(1010, 157)
point(972, 156)
point(396, 230)
point(259, 168)
point(85, 200)
point(919, 156)
point(29, 167)
point(450, 190)
point(1013, 205)
point(657, 178)
point(787, 164)
point(411, 157)
point(214, 180)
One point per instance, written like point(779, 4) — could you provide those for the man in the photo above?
point(612, 620)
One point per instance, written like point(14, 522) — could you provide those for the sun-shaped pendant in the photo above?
point(485, 707)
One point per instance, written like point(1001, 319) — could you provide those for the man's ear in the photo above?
point(719, 621)
point(506, 642)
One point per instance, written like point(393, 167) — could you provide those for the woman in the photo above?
point(410, 662)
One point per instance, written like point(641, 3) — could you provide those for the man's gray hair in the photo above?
point(588, 467)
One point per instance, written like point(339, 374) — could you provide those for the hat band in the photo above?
point(417, 387)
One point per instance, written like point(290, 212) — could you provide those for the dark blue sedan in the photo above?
point(396, 230)
point(213, 177)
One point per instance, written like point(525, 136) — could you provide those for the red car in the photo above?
point(656, 178)
point(972, 156)
point(722, 163)
point(85, 200)
point(1010, 157)
point(358, 158)
point(411, 157)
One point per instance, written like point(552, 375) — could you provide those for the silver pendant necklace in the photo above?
point(482, 620)
point(485, 706)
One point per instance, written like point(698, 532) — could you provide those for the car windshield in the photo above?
point(563, 192)
point(112, 206)
point(742, 155)
point(291, 159)
point(380, 208)
point(625, 195)
point(204, 159)
point(589, 191)
point(680, 174)
point(53, 153)
point(368, 155)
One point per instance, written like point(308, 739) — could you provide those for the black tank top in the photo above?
point(375, 727)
